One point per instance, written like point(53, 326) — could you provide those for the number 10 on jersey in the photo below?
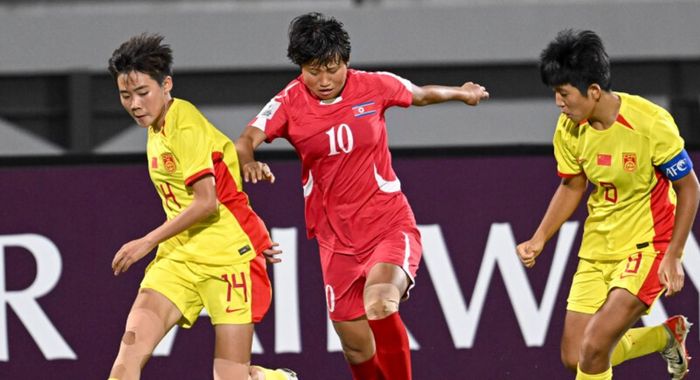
point(340, 139)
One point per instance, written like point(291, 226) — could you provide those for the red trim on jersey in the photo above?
point(662, 210)
point(624, 122)
point(237, 203)
point(565, 175)
point(652, 286)
point(197, 176)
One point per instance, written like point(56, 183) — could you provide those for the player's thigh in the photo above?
point(395, 260)
point(233, 342)
point(621, 311)
point(168, 286)
point(159, 304)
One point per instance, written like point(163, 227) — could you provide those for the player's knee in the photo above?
point(593, 349)
point(381, 300)
point(143, 331)
point(382, 308)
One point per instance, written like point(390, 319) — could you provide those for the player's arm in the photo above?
point(252, 170)
point(688, 195)
point(204, 204)
point(469, 93)
point(563, 204)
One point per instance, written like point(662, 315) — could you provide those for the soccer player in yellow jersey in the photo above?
point(212, 247)
point(640, 211)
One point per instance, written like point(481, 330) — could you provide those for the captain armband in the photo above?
point(678, 167)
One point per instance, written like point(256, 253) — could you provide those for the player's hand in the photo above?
point(528, 252)
point(130, 253)
point(473, 93)
point(271, 253)
point(671, 274)
point(257, 171)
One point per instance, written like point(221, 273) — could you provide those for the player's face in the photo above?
point(325, 81)
point(573, 103)
point(144, 98)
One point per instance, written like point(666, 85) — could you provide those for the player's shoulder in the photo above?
point(186, 116)
point(643, 107)
point(183, 109)
point(376, 77)
point(641, 113)
point(294, 90)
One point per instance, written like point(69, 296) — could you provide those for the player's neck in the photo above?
point(605, 111)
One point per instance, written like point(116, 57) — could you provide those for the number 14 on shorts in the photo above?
point(235, 281)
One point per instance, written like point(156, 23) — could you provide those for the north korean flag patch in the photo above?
point(364, 109)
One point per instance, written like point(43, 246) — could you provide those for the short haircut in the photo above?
point(577, 58)
point(144, 53)
point(317, 39)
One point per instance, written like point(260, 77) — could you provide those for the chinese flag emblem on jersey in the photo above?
point(168, 162)
point(629, 161)
point(604, 159)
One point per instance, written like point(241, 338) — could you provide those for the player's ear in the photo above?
point(167, 84)
point(595, 92)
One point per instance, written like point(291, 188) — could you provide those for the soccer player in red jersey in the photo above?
point(640, 212)
point(210, 248)
point(369, 244)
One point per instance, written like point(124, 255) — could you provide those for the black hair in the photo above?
point(143, 53)
point(577, 58)
point(317, 39)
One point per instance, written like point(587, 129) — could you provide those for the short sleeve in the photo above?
point(273, 119)
point(396, 90)
point(564, 148)
point(666, 142)
point(193, 148)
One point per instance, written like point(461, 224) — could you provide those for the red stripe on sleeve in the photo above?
point(565, 175)
point(196, 176)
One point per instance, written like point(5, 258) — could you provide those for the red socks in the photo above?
point(368, 370)
point(393, 352)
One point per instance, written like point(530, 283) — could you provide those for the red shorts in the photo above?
point(344, 275)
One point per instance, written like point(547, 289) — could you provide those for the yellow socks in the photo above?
point(607, 375)
point(639, 342)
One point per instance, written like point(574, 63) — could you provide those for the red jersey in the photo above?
point(351, 193)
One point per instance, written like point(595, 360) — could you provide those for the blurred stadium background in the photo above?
point(66, 146)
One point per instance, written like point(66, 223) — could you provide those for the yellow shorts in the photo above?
point(232, 294)
point(594, 279)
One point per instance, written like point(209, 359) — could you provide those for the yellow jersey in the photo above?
point(632, 205)
point(187, 148)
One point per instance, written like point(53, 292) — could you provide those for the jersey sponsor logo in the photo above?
point(244, 250)
point(169, 162)
point(364, 109)
point(229, 310)
point(629, 161)
point(604, 159)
